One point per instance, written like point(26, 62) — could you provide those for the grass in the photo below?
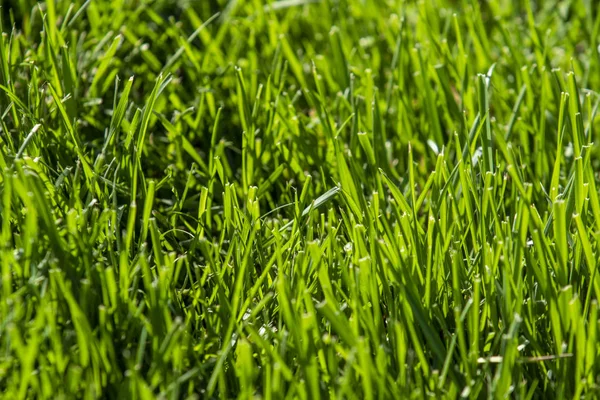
point(299, 199)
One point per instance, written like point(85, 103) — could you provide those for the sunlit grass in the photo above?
point(299, 199)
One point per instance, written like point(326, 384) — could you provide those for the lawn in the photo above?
point(299, 199)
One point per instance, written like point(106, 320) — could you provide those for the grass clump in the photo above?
point(299, 199)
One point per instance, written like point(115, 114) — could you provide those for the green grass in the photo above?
point(306, 199)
